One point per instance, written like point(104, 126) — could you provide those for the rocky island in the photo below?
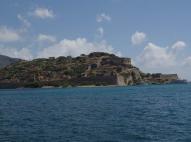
point(97, 69)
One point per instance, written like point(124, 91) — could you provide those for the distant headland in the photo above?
point(95, 69)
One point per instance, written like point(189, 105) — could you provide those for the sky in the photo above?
point(156, 34)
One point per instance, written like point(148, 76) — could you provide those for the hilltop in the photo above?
point(97, 69)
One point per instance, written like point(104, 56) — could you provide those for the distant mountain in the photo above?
point(98, 69)
point(5, 60)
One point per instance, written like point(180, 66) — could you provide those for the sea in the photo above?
point(150, 113)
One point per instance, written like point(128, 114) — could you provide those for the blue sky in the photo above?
point(154, 33)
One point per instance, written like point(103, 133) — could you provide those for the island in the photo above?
point(95, 69)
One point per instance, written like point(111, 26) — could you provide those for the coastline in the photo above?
point(91, 86)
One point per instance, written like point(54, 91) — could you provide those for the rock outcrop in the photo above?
point(94, 69)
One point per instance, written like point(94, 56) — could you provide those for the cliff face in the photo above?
point(94, 69)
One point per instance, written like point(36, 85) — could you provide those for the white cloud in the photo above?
point(103, 17)
point(46, 38)
point(187, 62)
point(24, 21)
point(138, 38)
point(100, 32)
point(8, 35)
point(43, 13)
point(179, 45)
point(75, 48)
point(23, 53)
point(154, 56)
point(65, 47)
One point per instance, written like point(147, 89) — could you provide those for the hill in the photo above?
point(94, 69)
point(5, 60)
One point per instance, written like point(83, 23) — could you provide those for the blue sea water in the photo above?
point(158, 113)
